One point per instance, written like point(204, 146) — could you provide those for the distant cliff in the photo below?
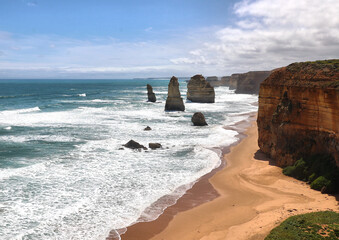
point(242, 82)
point(250, 82)
point(299, 112)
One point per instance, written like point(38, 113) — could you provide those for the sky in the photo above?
point(159, 38)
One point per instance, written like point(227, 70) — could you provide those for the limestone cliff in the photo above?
point(224, 81)
point(199, 90)
point(174, 101)
point(299, 111)
point(250, 82)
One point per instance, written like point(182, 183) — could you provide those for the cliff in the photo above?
point(250, 82)
point(299, 112)
point(174, 100)
point(224, 81)
point(243, 82)
point(199, 90)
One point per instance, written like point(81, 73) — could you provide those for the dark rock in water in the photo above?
point(199, 90)
point(150, 94)
point(154, 145)
point(174, 101)
point(134, 145)
point(198, 119)
point(147, 128)
point(121, 149)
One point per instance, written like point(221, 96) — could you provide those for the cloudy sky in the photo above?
point(159, 38)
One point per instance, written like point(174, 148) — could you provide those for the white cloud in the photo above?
point(273, 33)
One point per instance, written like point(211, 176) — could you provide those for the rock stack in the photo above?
point(174, 101)
point(198, 119)
point(199, 90)
point(150, 94)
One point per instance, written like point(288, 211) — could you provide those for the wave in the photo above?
point(82, 95)
point(24, 110)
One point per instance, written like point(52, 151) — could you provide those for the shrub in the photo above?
point(310, 168)
point(312, 177)
point(289, 171)
point(320, 182)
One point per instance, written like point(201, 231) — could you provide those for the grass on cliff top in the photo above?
point(331, 64)
point(310, 226)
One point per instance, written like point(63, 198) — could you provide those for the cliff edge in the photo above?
point(299, 111)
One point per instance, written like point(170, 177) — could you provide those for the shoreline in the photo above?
point(254, 197)
point(200, 192)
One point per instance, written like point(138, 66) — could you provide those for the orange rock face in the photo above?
point(299, 112)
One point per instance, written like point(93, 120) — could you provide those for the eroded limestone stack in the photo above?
point(150, 94)
point(174, 101)
point(199, 90)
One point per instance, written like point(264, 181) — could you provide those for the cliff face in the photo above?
point(250, 82)
point(233, 81)
point(224, 81)
point(299, 112)
point(199, 90)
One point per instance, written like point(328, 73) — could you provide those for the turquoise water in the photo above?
point(62, 175)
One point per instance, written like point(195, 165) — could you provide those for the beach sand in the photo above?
point(249, 197)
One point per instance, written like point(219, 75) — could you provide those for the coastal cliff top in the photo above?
point(324, 74)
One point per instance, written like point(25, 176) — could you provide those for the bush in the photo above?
point(312, 167)
point(289, 171)
point(312, 177)
point(320, 182)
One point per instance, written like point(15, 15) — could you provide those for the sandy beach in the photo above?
point(245, 200)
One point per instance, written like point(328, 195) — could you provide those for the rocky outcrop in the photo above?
point(150, 94)
point(174, 101)
point(243, 82)
point(299, 112)
point(198, 119)
point(233, 82)
point(199, 90)
point(148, 128)
point(212, 78)
point(154, 145)
point(249, 83)
point(134, 145)
point(215, 82)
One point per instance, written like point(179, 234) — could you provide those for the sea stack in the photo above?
point(198, 119)
point(199, 90)
point(150, 94)
point(298, 112)
point(174, 101)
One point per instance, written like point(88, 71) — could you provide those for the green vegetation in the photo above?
point(310, 226)
point(332, 64)
point(320, 171)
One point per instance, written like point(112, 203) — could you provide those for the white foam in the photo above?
point(8, 128)
point(82, 95)
point(18, 111)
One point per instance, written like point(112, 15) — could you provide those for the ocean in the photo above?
point(63, 174)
